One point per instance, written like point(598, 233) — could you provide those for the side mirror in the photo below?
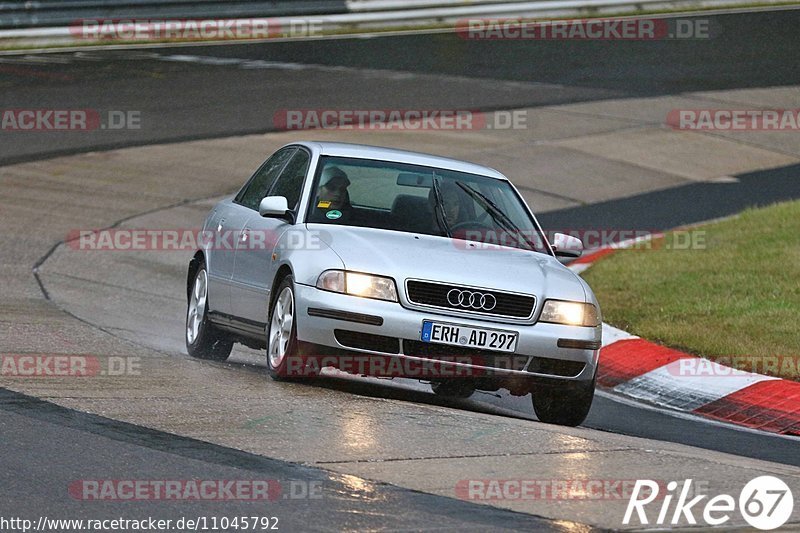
point(567, 245)
point(273, 206)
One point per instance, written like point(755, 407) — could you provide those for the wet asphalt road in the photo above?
point(71, 448)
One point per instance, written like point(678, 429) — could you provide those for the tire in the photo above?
point(203, 340)
point(282, 343)
point(567, 404)
point(453, 389)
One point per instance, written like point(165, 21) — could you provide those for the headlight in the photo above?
point(570, 313)
point(357, 284)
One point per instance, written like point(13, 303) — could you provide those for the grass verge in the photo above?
point(735, 292)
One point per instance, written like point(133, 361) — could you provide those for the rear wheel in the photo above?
point(566, 404)
point(203, 340)
point(282, 332)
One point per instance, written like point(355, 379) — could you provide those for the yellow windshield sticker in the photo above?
point(323, 204)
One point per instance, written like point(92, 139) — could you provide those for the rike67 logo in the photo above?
point(765, 503)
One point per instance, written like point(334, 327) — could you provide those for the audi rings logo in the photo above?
point(471, 300)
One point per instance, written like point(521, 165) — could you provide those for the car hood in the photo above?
point(415, 256)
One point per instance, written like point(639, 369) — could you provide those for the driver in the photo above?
point(332, 192)
point(453, 200)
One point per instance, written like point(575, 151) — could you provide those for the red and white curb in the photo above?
point(648, 372)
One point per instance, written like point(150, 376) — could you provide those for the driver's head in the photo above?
point(452, 207)
point(451, 199)
point(333, 187)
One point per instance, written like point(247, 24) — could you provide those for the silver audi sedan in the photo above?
point(391, 263)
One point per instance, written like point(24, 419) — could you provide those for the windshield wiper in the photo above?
point(496, 213)
point(441, 217)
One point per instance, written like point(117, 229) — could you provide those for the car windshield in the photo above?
point(420, 199)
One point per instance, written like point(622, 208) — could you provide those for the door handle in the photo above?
point(219, 225)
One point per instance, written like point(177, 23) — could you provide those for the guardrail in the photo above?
point(30, 14)
point(327, 15)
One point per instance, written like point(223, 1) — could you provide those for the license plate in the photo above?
point(455, 335)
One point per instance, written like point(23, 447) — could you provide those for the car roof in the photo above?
point(380, 153)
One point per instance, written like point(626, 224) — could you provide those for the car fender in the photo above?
point(306, 254)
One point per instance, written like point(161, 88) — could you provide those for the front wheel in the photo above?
point(282, 332)
point(203, 340)
point(567, 404)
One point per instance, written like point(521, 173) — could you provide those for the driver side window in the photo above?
point(264, 178)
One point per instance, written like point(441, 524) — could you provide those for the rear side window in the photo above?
point(290, 182)
point(258, 186)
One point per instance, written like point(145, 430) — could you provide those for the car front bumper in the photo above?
point(537, 354)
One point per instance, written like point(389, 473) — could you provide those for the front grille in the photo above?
point(367, 341)
point(436, 295)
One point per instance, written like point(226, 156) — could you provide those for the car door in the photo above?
point(224, 224)
point(227, 223)
point(254, 268)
